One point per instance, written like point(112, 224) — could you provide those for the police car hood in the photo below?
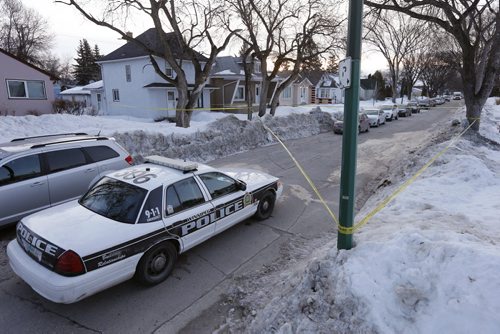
point(72, 226)
point(253, 178)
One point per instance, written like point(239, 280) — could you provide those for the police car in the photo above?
point(134, 223)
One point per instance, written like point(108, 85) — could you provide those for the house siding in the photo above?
point(12, 69)
point(135, 99)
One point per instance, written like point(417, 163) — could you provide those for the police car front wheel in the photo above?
point(156, 264)
point(266, 206)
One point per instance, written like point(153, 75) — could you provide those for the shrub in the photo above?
point(72, 107)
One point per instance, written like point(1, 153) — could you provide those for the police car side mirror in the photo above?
point(170, 209)
point(241, 185)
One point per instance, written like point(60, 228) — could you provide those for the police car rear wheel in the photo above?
point(155, 266)
point(266, 206)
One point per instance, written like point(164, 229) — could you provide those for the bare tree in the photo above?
point(23, 32)
point(475, 25)
point(282, 32)
point(395, 36)
point(193, 24)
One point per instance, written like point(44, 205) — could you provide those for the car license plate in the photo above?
point(36, 253)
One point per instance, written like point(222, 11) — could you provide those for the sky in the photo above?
point(69, 27)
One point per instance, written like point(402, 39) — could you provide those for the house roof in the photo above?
point(367, 84)
point(78, 90)
point(231, 67)
point(51, 76)
point(329, 80)
point(313, 76)
point(151, 39)
point(83, 90)
point(169, 85)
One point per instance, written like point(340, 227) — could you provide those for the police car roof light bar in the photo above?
point(185, 166)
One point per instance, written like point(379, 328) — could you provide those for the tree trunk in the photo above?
point(264, 87)
point(274, 104)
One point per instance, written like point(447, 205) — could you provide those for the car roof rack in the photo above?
point(185, 166)
point(54, 135)
point(68, 141)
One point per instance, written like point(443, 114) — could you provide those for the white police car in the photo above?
point(134, 223)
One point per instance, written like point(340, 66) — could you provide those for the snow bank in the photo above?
point(427, 263)
point(224, 136)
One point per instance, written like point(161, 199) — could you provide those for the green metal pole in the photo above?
point(350, 137)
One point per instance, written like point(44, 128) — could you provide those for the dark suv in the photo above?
point(39, 172)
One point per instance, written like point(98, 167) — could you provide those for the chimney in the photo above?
point(129, 34)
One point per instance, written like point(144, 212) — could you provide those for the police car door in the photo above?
point(232, 204)
point(188, 212)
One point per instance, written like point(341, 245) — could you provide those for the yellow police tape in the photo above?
point(383, 204)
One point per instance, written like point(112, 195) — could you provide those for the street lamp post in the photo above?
point(350, 137)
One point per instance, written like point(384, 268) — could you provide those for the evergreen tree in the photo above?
point(332, 66)
point(380, 84)
point(86, 69)
point(314, 62)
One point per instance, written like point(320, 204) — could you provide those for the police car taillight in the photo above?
point(129, 160)
point(69, 264)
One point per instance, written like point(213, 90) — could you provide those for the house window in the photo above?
point(256, 67)
point(324, 93)
point(26, 89)
point(240, 93)
point(169, 72)
point(287, 93)
point(128, 74)
point(116, 95)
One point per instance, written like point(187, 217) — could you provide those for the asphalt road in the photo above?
point(194, 299)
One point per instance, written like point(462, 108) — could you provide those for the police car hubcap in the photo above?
point(159, 263)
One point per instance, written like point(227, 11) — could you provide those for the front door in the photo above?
point(171, 103)
point(99, 100)
point(303, 95)
point(257, 94)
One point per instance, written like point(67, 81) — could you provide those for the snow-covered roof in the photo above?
point(78, 90)
point(94, 85)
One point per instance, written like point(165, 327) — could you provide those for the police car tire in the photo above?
point(266, 206)
point(156, 264)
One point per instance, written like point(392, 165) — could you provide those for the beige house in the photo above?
point(297, 93)
point(26, 89)
point(228, 80)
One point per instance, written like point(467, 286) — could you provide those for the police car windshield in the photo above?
point(115, 200)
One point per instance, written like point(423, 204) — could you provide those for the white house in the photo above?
point(91, 95)
point(328, 89)
point(131, 85)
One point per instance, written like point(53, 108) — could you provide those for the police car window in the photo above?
point(115, 200)
point(65, 159)
point(189, 194)
point(151, 212)
point(218, 184)
point(100, 153)
point(173, 199)
point(20, 169)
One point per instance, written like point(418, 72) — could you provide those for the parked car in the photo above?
point(391, 111)
point(447, 98)
point(457, 95)
point(363, 124)
point(413, 106)
point(134, 223)
point(376, 117)
point(424, 103)
point(48, 170)
point(404, 111)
